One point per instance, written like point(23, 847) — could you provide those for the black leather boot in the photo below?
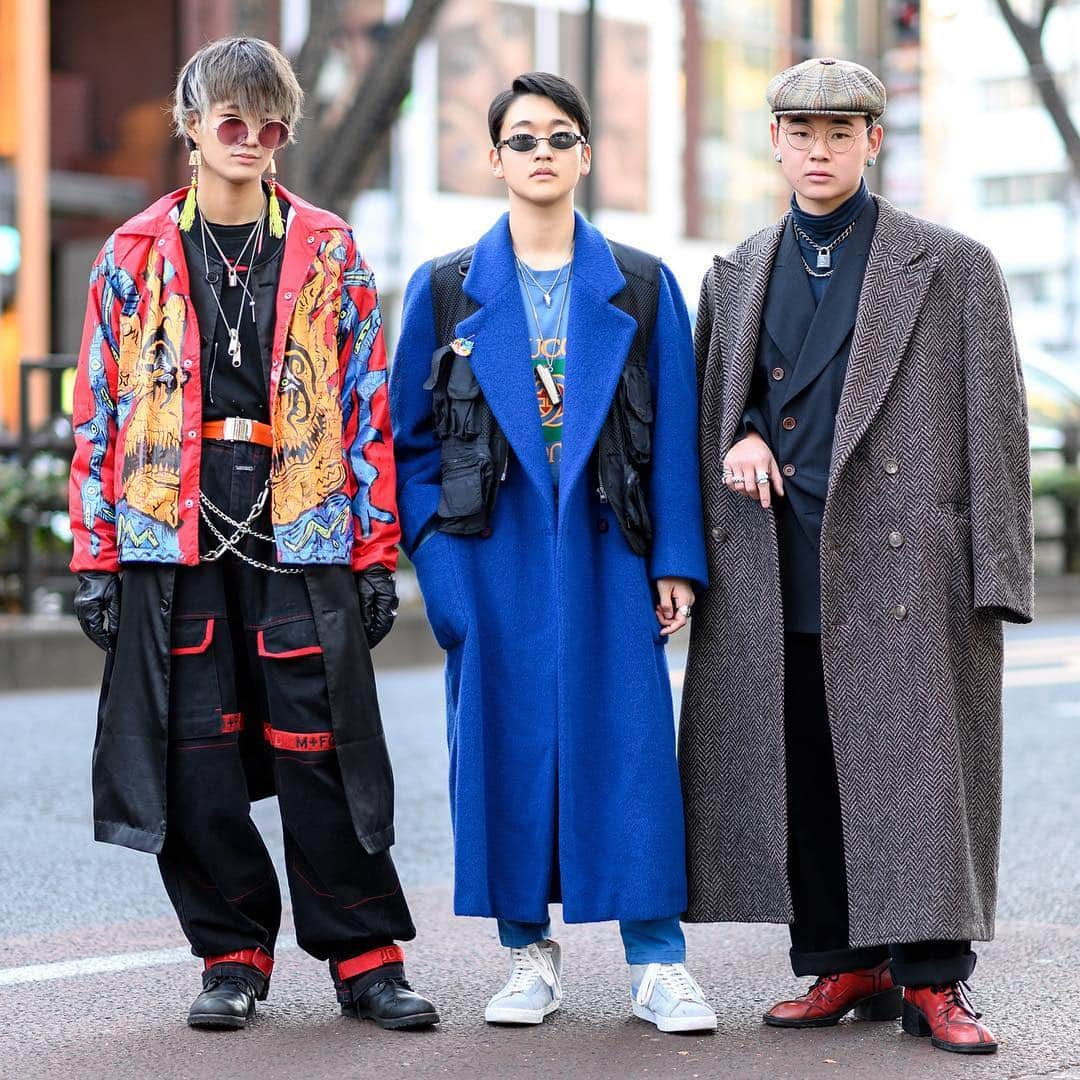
point(380, 992)
point(227, 1001)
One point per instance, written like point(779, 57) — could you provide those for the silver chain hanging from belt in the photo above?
point(240, 530)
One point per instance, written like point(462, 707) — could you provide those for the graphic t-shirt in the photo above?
point(548, 346)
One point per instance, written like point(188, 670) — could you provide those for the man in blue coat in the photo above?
point(543, 398)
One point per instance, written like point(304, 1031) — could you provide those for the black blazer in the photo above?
point(795, 390)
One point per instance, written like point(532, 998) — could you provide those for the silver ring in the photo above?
point(762, 477)
point(740, 482)
point(684, 611)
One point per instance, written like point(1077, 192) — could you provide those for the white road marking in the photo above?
point(103, 965)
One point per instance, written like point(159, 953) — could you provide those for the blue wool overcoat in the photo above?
point(563, 780)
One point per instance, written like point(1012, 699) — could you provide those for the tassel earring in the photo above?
point(187, 213)
point(277, 224)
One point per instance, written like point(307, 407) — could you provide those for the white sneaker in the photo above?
point(668, 996)
point(534, 988)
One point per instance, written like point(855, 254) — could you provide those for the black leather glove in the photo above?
point(97, 606)
point(378, 602)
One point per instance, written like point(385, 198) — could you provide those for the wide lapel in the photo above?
point(898, 276)
point(788, 321)
point(500, 354)
point(746, 311)
point(838, 309)
point(599, 336)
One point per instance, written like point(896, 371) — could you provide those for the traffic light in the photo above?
point(905, 18)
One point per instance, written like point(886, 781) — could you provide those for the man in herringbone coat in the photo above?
point(865, 481)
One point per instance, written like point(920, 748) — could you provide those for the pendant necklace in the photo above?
point(545, 293)
point(256, 234)
point(824, 254)
point(541, 367)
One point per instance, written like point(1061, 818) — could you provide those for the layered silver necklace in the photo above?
point(542, 367)
point(549, 292)
point(824, 253)
point(233, 279)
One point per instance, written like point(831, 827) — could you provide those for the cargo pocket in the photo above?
point(463, 392)
point(463, 485)
point(638, 413)
point(294, 675)
point(202, 699)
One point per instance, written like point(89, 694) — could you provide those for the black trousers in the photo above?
point(819, 933)
point(247, 666)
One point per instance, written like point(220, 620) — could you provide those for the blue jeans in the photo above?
point(646, 941)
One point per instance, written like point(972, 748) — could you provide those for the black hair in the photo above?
point(553, 87)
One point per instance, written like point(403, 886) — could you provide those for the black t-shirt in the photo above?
point(230, 390)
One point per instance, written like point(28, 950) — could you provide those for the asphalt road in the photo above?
point(95, 980)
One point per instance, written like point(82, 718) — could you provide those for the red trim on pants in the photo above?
point(288, 654)
point(369, 961)
point(232, 722)
point(257, 958)
point(302, 742)
point(195, 650)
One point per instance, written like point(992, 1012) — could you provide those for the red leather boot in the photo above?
point(871, 992)
point(946, 1014)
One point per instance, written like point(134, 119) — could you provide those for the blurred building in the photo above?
point(1000, 166)
point(85, 142)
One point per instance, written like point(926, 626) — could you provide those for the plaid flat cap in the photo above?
point(828, 87)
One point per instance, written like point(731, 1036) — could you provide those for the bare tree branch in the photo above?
point(1048, 6)
point(344, 159)
point(1029, 38)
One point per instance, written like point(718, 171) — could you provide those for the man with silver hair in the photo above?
point(233, 474)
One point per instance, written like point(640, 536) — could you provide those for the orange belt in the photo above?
point(237, 429)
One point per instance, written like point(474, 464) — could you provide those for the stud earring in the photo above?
point(187, 212)
point(777, 158)
point(871, 161)
point(277, 223)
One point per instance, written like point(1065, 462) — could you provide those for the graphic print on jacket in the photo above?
point(138, 411)
point(150, 472)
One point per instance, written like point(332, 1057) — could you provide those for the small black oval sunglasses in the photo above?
point(558, 140)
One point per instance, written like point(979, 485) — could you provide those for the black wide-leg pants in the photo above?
point(247, 666)
point(819, 933)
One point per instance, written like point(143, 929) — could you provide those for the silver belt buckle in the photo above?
point(238, 429)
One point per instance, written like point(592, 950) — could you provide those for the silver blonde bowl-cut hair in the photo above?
point(246, 72)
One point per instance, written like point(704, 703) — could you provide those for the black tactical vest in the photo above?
point(475, 451)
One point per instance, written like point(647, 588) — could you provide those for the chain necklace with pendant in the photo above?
point(254, 237)
point(545, 293)
point(542, 367)
point(824, 254)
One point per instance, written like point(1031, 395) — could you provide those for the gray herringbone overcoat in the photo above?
point(925, 547)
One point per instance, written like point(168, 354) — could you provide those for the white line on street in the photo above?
point(102, 965)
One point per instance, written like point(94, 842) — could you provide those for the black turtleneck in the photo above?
point(823, 228)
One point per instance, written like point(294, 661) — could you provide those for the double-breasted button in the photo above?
point(789, 423)
point(719, 534)
point(485, 532)
point(602, 525)
point(896, 539)
point(900, 611)
point(788, 470)
point(777, 373)
point(891, 466)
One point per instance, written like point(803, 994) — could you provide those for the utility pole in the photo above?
point(589, 201)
